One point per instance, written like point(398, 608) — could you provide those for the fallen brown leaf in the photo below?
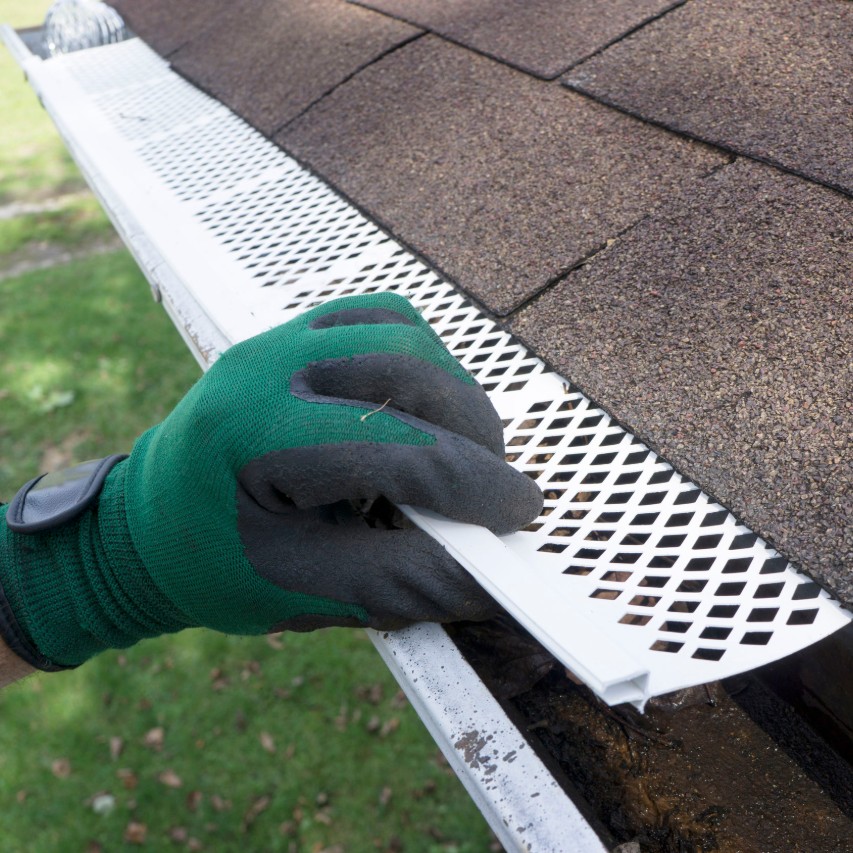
point(389, 726)
point(179, 834)
point(385, 796)
point(259, 805)
point(154, 738)
point(274, 641)
point(371, 693)
point(128, 778)
point(61, 768)
point(251, 668)
point(194, 799)
point(21, 796)
point(218, 679)
point(219, 804)
point(267, 742)
point(135, 833)
point(116, 747)
point(170, 779)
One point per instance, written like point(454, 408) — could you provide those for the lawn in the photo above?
point(194, 741)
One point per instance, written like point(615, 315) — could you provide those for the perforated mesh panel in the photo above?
point(641, 550)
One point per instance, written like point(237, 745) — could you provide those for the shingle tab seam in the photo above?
point(714, 143)
point(378, 58)
point(642, 25)
point(516, 66)
point(564, 274)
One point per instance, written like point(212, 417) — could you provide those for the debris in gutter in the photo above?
point(692, 774)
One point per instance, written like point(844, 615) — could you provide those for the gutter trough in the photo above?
point(234, 237)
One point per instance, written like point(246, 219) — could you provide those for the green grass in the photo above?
point(315, 731)
point(302, 744)
point(76, 220)
point(34, 164)
point(90, 361)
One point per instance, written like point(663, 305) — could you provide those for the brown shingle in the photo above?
point(503, 181)
point(720, 329)
point(772, 80)
point(543, 37)
point(270, 59)
point(165, 24)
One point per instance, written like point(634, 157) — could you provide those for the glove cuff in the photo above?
point(79, 588)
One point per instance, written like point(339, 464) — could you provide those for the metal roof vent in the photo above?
point(77, 24)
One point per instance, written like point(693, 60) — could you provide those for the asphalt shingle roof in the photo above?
point(768, 79)
point(504, 182)
point(166, 25)
point(701, 296)
point(271, 59)
point(544, 37)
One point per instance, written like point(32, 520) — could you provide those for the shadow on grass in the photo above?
point(298, 745)
point(86, 352)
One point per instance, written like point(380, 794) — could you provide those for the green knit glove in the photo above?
point(252, 506)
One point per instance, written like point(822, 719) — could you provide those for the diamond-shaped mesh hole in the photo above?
point(806, 591)
point(763, 614)
point(606, 594)
point(803, 617)
point(715, 633)
point(683, 607)
point(723, 611)
point(756, 638)
point(708, 654)
point(774, 565)
point(635, 619)
point(644, 601)
point(616, 577)
point(552, 548)
point(666, 646)
point(770, 590)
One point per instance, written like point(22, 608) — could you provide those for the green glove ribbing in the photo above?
point(237, 511)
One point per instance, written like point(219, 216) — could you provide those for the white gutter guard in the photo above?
point(633, 577)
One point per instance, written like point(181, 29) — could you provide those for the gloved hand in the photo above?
point(240, 511)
